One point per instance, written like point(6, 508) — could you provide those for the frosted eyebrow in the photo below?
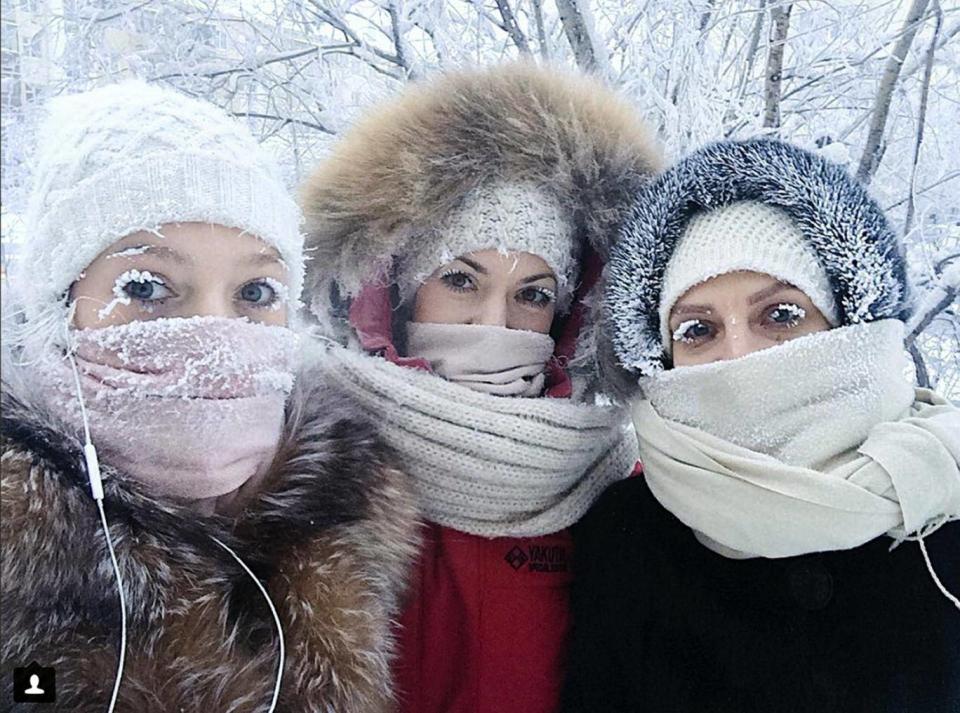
point(159, 250)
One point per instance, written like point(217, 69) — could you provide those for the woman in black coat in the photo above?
point(791, 545)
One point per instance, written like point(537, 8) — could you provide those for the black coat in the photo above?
point(663, 624)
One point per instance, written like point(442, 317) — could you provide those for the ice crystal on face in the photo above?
point(130, 252)
point(680, 333)
point(119, 294)
point(281, 291)
point(796, 312)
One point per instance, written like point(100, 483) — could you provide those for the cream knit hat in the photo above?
point(747, 235)
point(130, 157)
point(506, 216)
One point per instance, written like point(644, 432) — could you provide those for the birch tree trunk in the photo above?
point(734, 109)
point(922, 119)
point(872, 151)
point(780, 24)
point(575, 26)
point(511, 26)
point(541, 30)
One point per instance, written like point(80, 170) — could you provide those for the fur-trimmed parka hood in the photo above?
point(411, 161)
point(844, 227)
point(331, 534)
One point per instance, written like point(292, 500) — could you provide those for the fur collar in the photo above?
point(332, 534)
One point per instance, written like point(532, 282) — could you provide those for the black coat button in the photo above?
point(811, 585)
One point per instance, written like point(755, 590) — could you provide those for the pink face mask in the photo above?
point(192, 408)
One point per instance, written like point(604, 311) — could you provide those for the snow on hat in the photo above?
point(508, 216)
point(840, 224)
point(746, 235)
point(131, 156)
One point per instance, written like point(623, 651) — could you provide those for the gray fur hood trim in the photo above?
point(863, 258)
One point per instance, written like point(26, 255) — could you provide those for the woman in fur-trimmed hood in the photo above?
point(466, 224)
point(165, 452)
point(755, 302)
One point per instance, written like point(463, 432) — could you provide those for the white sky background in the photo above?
point(693, 87)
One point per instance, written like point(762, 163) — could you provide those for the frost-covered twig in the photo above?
point(940, 182)
point(285, 120)
point(937, 299)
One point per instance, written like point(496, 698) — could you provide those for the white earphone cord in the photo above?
point(96, 488)
point(276, 620)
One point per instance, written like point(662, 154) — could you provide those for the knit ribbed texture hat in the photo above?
point(746, 235)
point(506, 216)
point(841, 225)
point(130, 157)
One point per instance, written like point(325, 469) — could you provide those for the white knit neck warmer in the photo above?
point(488, 465)
point(489, 359)
point(817, 444)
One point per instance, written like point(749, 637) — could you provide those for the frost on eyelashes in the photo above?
point(680, 333)
point(796, 312)
point(119, 296)
point(280, 290)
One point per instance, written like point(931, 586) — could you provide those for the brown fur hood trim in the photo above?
point(332, 535)
point(410, 161)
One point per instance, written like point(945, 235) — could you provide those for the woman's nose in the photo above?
point(493, 312)
point(210, 304)
point(739, 340)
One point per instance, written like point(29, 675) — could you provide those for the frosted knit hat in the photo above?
point(130, 157)
point(506, 216)
point(746, 235)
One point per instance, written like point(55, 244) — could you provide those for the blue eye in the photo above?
point(458, 281)
point(258, 293)
point(144, 287)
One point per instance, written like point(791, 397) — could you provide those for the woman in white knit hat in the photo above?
point(757, 299)
point(258, 533)
point(457, 234)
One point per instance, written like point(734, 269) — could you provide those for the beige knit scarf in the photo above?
point(489, 465)
point(486, 358)
point(817, 444)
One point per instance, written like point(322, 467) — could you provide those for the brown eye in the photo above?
point(540, 297)
point(786, 315)
point(692, 331)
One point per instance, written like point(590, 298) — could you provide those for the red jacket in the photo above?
point(485, 630)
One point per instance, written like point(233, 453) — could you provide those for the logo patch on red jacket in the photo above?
point(538, 558)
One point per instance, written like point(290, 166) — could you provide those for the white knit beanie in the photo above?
point(747, 235)
point(130, 157)
point(506, 216)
